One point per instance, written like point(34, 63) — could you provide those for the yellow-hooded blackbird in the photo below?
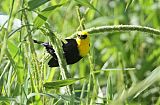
point(73, 50)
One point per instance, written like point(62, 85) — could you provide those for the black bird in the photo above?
point(73, 50)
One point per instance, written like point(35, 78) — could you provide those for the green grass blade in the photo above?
point(44, 14)
point(128, 4)
point(33, 4)
point(136, 89)
point(61, 83)
point(2, 98)
point(56, 96)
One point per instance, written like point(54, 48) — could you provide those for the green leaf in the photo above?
point(56, 96)
point(128, 4)
point(13, 49)
point(4, 98)
point(88, 4)
point(33, 4)
point(16, 58)
point(61, 83)
point(44, 14)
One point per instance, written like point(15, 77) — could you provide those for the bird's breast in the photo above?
point(83, 47)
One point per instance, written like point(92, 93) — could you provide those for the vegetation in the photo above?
point(122, 67)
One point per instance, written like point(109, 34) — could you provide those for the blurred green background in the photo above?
point(118, 61)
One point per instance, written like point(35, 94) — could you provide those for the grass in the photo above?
point(121, 68)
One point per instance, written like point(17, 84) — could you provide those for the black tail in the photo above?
point(38, 42)
point(53, 62)
point(48, 47)
point(45, 44)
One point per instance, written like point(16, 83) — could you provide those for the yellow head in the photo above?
point(83, 35)
point(83, 42)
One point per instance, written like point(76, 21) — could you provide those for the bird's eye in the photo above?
point(79, 35)
point(84, 36)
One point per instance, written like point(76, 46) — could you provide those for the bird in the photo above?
point(73, 50)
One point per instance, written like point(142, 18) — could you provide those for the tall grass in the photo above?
point(121, 68)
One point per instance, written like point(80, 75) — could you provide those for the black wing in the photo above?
point(70, 51)
point(70, 45)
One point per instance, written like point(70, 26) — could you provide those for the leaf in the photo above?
point(13, 49)
point(33, 4)
point(88, 4)
point(61, 83)
point(44, 14)
point(113, 69)
point(136, 89)
point(17, 58)
point(57, 96)
point(128, 4)
point(4, 98)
